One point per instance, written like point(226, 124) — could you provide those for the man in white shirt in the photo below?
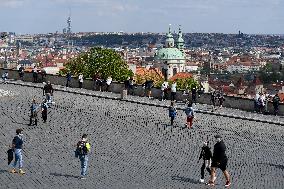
point(164, 90)
point(256, 107)
point(173, 91)
point(108, 82)
point(80, 79)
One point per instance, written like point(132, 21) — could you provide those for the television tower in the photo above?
point(69, 31)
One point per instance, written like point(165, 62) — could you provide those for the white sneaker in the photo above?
point(201, 180)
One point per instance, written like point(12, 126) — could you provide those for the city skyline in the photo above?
point(201, 16)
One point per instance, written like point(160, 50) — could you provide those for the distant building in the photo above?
point(171, 57)
point(24, 38)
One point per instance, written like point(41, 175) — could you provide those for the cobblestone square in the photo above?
point(132, 146)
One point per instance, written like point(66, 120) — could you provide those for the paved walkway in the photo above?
point(133, 146)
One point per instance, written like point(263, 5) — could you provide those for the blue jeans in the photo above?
point(84, 164)
point(18, 158)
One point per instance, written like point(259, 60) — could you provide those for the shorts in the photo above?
point(189, 119)
point(222, 165)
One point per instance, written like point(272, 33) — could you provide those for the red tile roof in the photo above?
point(181, 75)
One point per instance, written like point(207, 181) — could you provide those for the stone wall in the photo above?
point(116, 87)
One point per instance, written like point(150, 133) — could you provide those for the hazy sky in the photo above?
point(225, 16)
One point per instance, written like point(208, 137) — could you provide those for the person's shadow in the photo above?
point(3, 171)
point(273, 165)
point(64, 175)
point(184, 179)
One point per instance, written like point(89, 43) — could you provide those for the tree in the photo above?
point(104, 62)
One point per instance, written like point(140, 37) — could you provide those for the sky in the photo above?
point(202, 16)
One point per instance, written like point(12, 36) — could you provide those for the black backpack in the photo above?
point(81, 149)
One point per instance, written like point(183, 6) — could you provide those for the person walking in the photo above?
point(148, 87)
point(33, 115)
point(21, 72)
point(261, 103)
point(108, 83)
point(172, 112)
point(276, 101)
point(213, 99)
point(68, 79)
point(17, 146)
point(219, 160)
point(48, 91)
point(82, 150)
point(193, 95)
point(173, 91)
point(80, 80)
point(44, 108)
point(189, 115)
point(221, 98)
point(131, 86)
point(5, 77)
point(256, 105)
point(35, 74)
point(164, 90)
point(206, 155)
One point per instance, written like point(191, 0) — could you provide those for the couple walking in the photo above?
point(189, 111)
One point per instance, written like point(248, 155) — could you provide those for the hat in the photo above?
point(217, 136)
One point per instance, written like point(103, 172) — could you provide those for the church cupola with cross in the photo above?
point(171, 57)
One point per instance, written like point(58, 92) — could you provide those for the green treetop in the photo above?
point(99, 61)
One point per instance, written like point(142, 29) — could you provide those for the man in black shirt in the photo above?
point(48, 91)
point(219, 160)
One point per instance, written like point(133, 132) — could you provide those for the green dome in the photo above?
point(169, 54)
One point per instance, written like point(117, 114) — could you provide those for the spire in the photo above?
point(179, 31)
point(180, 41)
point(170, 39)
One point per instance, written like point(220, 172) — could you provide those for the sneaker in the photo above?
point(22, 172)
point(228, 183)
point(83, 178)
point(13, 171)
point(201, 180)
point(210, 183)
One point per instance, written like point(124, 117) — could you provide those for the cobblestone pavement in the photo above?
point(132, 145)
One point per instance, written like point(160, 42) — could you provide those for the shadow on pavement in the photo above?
point(183, 179)
point(273, 165)
point(64, 175)
point(3, 171)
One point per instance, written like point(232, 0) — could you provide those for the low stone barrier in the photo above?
point(117, 87)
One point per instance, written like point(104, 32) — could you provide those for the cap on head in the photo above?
point(217, 136)
point(18, 131)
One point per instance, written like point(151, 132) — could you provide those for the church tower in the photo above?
point(180, 40)
point(171, 57)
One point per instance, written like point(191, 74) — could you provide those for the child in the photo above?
point(190, 115)
point(172, 113)
point(206, 155)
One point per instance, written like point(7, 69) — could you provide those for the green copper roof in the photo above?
point(169, 54)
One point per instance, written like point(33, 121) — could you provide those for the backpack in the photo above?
point(81, 149)
point(189, 112)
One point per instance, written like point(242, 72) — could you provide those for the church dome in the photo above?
point(169, 54)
